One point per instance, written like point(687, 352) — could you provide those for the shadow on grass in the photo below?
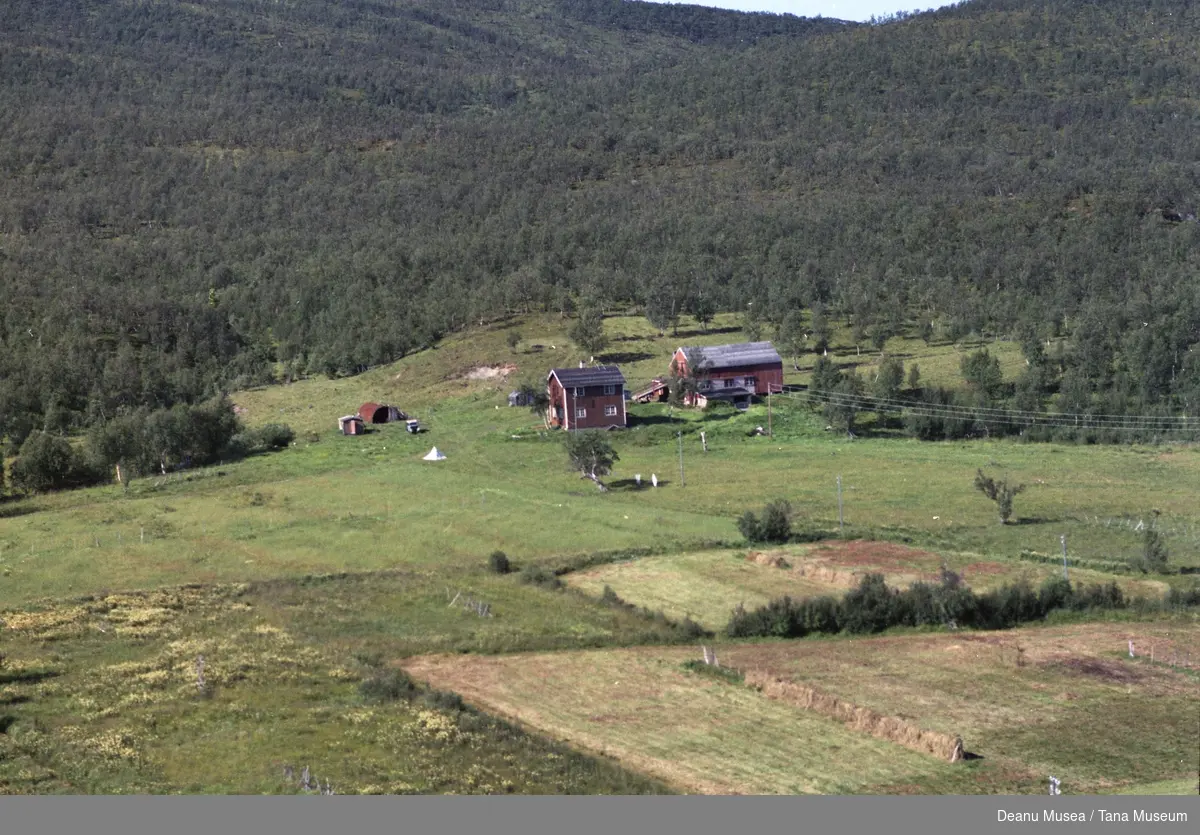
point(26, 676)
point(1033, 520)
point(631, 485)
point(654, 420)
point(11, 510)
point(623, 357)
point(6, 722)
point(686, 332)
point(14, 699)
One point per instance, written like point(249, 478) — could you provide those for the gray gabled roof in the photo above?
point(715, 357)
point(601, 375)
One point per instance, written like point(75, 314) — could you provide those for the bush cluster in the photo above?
point(540, 576)
point(266, 438)
point(397, 686)
point(774, 526)
point(498, 563)
point(873, 607)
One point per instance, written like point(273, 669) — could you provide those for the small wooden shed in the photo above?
point(351, 425)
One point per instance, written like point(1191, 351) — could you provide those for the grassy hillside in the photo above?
point(300, 576)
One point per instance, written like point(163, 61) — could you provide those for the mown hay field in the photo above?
point(1071, 706)
point(697, 734)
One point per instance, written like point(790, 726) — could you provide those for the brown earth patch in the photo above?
point(1109, 671)
point(887, 556)
point(490, 372)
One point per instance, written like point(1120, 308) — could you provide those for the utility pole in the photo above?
point(682, 483)
point(770, 433)
point(1063, 539)
point(841, 523)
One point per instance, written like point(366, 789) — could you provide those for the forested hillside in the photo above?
point(192, 192)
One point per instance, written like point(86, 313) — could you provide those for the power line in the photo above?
point(892, 404)
point(1152, 423)
point(898, 404)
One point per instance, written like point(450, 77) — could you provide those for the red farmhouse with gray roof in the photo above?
point(586, 398)
point(731, 372)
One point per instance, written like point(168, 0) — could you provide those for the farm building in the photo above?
point(518, 398)
point(734, 373)
point(586, 398)
point(380, 413)
point(351, 425)
point(656, 392)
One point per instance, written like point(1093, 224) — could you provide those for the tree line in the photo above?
point(194, 202)
point(143, 442)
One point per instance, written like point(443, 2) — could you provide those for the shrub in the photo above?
point(1097, 596)
point(444, 700)
point(498, 563)
point(819, 614)
point(1001, 492)
point(777, 521)
point(775, 525)
point(266, 438)
point(749, 527)
point(1154, 551)
point(536, 575)
point(871, 607)
point(388, 686)
point(1179, 597)
point(274, 435)
point(1055, 593)
point(690, 630)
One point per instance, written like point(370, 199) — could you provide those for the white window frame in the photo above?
point(580, 414)
point(579, 391)
point(610, 411)
point(610, 389)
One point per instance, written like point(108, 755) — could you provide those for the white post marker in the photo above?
point(654, 479)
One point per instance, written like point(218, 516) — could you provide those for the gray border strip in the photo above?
point(587, 815)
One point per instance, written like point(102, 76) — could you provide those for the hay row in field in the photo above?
point(864, 720)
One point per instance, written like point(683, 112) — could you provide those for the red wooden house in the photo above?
point(736, 373)
point(586, 398)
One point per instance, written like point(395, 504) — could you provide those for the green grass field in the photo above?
point(285, 570)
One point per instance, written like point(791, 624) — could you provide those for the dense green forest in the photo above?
point(195, 195)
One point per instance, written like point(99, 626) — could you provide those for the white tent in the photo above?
point(435, 455)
